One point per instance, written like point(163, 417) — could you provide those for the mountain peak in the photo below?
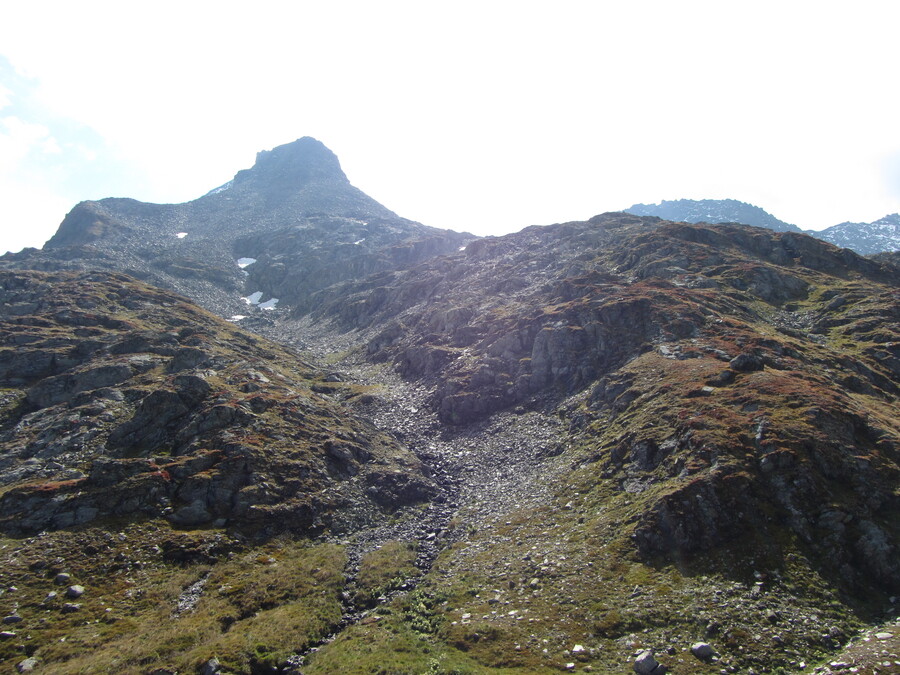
point(302, 161)
point(712, 211)
point(866, 238)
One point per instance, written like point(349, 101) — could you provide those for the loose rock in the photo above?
point(27, 665)
point(211, 667)
point(702, 650)
point(645, 664)
point(75, 591)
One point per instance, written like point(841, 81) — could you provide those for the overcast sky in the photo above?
point(480, 116)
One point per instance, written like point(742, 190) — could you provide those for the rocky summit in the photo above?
point(866, 238)
point(882, 235)
point(712, 211)
point(280, 429)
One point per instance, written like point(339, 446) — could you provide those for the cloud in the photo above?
point(30, 214)
point(891, 174)
point(18, 139)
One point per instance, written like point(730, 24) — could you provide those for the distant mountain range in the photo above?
point(864, 238)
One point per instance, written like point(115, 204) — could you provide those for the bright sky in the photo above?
point(482, 116)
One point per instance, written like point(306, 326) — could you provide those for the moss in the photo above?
point(257, 605)
point(383, 570)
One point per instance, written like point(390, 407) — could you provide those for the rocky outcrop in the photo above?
point(166, 410)
point(556, 308)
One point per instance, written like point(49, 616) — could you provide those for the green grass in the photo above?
point(258, 605)
point(383, 570)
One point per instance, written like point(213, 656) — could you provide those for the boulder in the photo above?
point(702, 650)
point(646, 664)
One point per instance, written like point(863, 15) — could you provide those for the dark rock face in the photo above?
point(541, 309)
point(150, 414)
point(283, 169)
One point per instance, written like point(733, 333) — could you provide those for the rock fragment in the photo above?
point(27, 666)
point(75, 591)
point(211, 667)
point(646, 664)
point(702, 650)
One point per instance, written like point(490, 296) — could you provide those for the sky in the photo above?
point(481, 116)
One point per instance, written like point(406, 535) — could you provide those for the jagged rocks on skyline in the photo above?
point(866, 238)
point(882, 235)
point(712, 211)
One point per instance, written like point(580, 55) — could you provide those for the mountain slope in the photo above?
point(123, 400)
point(863, 238)
point(728, 399)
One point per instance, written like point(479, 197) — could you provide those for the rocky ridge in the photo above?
point(712, 211)
point(864, 238)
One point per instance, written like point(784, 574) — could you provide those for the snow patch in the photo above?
point(254, 299)
point(462, 248)
point(219, 189)
point(244, 262)
point(238, 317)
point(181, 235)
point(360, 241)
point(268, 304)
